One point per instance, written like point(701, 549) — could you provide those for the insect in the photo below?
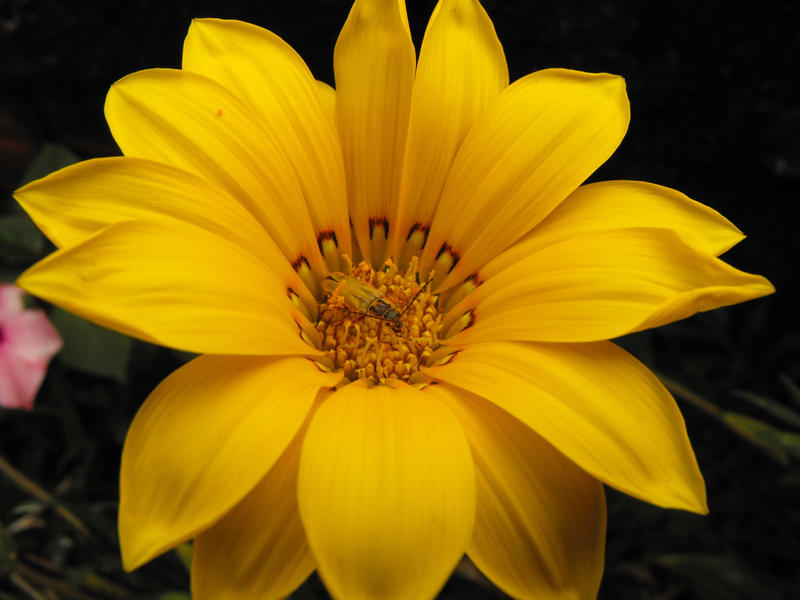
point(366, 299)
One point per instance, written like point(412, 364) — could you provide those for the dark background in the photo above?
point(715, 114)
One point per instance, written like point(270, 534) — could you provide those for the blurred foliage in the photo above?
point(91, 348)
point(59, 464)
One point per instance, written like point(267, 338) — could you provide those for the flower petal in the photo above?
point(327, 98)
point(374, 67)
point(531, 147)
point(461, 69)
point(597, 405)
point(386, 492)
point(174, 285)
point(258, 549)
point(82, 199)
point(201, 442)
point(540, 521)
point(31, 336)
point(607, 205)
point(191, 122)
point(598, 286)
point(265, 72)
point(19, 380)
point(10, 301)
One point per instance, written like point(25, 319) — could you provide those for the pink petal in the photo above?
point(27, 342)
point(30, 336)
point(10, 301)
point(19, 380)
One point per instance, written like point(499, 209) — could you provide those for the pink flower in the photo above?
point(27, 342)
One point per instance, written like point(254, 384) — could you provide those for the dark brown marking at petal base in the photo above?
point(379, 222)
point(454, 256)
point(322, 236)
point(474, 279)
point(425, 229)
point(299, 262)
point(448, 359)
point(316, 364)
point(471, 314)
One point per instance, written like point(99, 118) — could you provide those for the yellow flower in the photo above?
point(345, 416)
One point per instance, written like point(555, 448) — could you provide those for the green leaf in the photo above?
point(51, 157)
point(777, 410)
point(91, 348)
point(20, 237)
point(785, 441)
point(773, 441)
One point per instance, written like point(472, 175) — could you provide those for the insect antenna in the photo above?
point(419, 291)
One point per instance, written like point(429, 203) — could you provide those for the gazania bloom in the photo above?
point(27, 343)
point(402, 295)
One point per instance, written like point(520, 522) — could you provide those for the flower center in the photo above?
point(380, 324)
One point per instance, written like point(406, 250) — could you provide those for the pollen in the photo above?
point(379, 324)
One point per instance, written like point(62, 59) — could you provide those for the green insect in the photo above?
point(367, 300)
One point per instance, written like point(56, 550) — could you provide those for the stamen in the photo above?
point(379, 324)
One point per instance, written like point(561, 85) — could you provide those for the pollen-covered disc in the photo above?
point(380, 324)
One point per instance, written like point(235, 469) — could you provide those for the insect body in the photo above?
point(366, 299)
point(362, 297)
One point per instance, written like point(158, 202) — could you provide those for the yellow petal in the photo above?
point(82, 199)
point(540, 521)
point(597, 405)
point(262, 70)
point(175, 285)
point(386, 492)
point(461, 69)
point(258, 549)
point(609, 205)
point(201, 442)
point(531, 147)
point(374, 67)
point(191, 122)
point(598, 286)
point(618, 204)
point(327, 99)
